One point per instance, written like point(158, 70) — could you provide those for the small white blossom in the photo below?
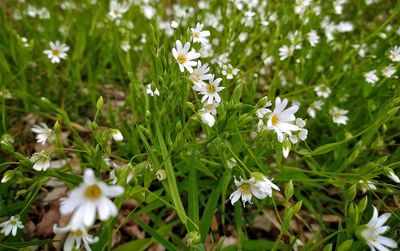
point(200, 74)
point(89, 199)
point(44, 133)
point(388, 71)
point(117, 135)
point(315, 106)
point(229, 71)
point(372, 232)
point(211, 89)
point(57, 52)
point(174, 25)
point(313, 38)
point(281, 120)
point(117, 10)
point(200, 36)
point(394, 54)
point(11, 226)
point(322, 90)
point(339, 115)
point(125, 46)
point(371, 77)
point(286, 52)
point(184, 57)
point(301, 134)
point(76, 235)
point(207, 118)
point(151, 92)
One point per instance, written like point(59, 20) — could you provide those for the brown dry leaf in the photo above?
point(157, 247)
point(116, 238)
point(134, 231)
point(45, 226)
point(57, 193)
point(214, 224)
point(262, 222)
point(331, 218)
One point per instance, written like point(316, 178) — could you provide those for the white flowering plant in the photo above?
point(199, 125)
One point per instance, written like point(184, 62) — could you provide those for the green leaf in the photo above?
point(171, 180)
point(155, 234)
point(137, 245)
point(209, 210)
point(193, 210)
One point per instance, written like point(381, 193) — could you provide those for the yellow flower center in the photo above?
point(210, 89)
point(274, 120)
point(92, 192)
point(196, 77)
point(56, 52)
point(245, 188)
point(181, 59)
point(209, 106)
point(77, 233)
point(13, 222)
point(196, 35)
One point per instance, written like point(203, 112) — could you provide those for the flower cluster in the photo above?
point(204, 83)
point(283, 122)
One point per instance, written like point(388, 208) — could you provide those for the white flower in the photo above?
point(184, 57)
point(301, 6)
point(372, 232)
point(264, 184)
point(286, 52)
point(246, 189)
point(44, 133)
point(151, 92)
point(174, 25)
point(200, 74)
point(231, 163)
point(117, 10)
point(89, 199)
point(57, 52)
point(117, 135)
point(366, 185)
point(322, 91)
point(301, 134)
point(75, 237)
point(41, 161)
point(229, 71)
point(281, 119)
point(119, 170)
point(210, 107)
point(394, 54)
point(313, 38)
point(388, 71)
point(200, 36)
point(393, 176)
point(286, 146)
point(6, 94)
point(371, 77)
point(316, 105)
point(207, 118)
point(339, 115)
point(210, 90)
point(11, 226)
point(125, 46)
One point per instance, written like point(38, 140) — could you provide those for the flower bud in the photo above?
point(161, 175)
point(100, 103)
point(8, 175)
point(193, 238)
